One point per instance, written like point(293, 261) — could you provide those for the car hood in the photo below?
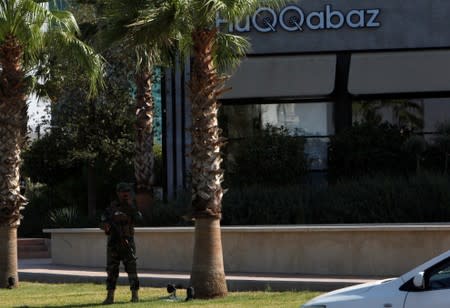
point(349, 293)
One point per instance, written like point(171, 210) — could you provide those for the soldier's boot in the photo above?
point(134, 296)
point(109, 298)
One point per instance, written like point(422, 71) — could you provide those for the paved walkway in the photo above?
point(42, 270)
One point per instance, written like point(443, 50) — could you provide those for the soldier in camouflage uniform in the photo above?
point(118, 223)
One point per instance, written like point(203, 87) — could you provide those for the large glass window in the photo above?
point(436, 112)
point(405, 113)
point(304, 119)
point(423, 115)
point(310, 120)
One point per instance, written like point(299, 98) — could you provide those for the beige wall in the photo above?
point(356, 250)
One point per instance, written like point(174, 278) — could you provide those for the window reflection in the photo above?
point(311, 120)
point(419, 115)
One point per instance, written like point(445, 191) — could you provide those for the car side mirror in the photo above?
point(419, 281)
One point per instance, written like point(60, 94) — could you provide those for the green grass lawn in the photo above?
point(91, 295)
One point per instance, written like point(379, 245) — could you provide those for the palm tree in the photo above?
point(407, 113)
point(27, 31)
point(213, 53)
point(152, 46)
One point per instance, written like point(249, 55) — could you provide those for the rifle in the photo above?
point(117, 220)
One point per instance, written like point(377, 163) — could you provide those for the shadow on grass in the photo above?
point(66, 306)
point(87, 304)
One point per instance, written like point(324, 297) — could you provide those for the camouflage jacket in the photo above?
point(122, 218)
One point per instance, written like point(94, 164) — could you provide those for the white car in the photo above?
point(426, 286)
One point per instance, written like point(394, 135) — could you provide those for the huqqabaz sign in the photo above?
point(293, 18)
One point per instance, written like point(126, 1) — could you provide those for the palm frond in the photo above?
point(205, 11)
point(63, 21)
point(210, 7)
point(229, 51)
point(237, 9)
point(115, 17)
point(23, 19)
point(151, 28)
point(41, 31)
point(78, 53)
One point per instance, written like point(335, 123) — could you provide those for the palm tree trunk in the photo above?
point(11, 138)
point(13, 127)
point(208, 275)
point(144, 157)
point(8, 257)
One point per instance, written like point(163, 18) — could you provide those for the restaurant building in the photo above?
point(310, 62)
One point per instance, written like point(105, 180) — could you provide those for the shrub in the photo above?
point(442, 142)
point(173, 213)
point(35, 213)
point(66, 217)
point(381, 199)
point(378, 199)
point(262, 205)
point(369, 148)
point(272, 156)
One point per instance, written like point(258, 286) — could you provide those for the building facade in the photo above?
point(310, 63)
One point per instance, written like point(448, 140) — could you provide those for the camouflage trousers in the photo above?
point(116, 254)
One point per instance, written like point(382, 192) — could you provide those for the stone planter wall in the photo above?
point(353, 250)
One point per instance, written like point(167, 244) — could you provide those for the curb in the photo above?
point(42, 270)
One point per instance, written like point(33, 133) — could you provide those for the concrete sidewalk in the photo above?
point(42, 270)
